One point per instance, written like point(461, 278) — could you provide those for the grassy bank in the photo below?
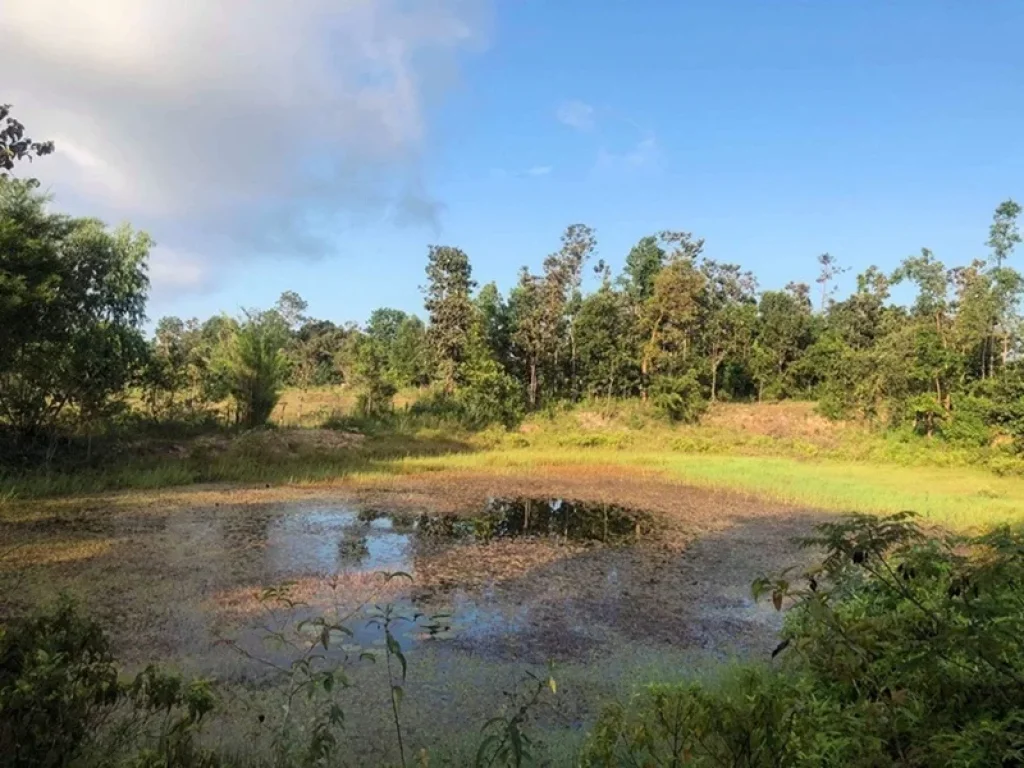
point(781, 452)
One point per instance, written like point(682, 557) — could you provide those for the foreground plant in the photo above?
point(899, 649)
point(62, 701)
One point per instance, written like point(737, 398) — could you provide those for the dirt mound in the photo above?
point(786, 419)
point(592, 420)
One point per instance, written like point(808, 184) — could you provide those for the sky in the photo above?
point(321, 145)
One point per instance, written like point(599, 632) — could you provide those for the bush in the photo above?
point(376, 399)
point(490, 396)
point(968, 423)
point(899, 650)
point(60, 697)
point(484, 400)
point(57, 680)
point(679, 398)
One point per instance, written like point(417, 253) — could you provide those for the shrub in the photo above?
point(899, 650)
point(376, 399)
point(488, 398)
point(968, 423)
point(57, 680)
point(60, 697)
point(679, 398)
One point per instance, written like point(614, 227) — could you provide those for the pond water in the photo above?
point(522, 579)
point(608, 593)
point(343, 538)
point(342, 543)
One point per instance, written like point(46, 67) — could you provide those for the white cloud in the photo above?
point(235, 124)
point(644, 154)
point(539, 170)
point(172, 273)
point(576, 114)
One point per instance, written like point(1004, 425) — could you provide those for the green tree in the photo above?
point(496, 318)
point(533, 333)
point(312, 351)
point(607, 344)
point(668, 321)
point(449, 284)
point(371, 374)
point(643, 263)
point(72, 296)
point(729, 315)
point(784, 331)
point(409, 355)
point(254, 366)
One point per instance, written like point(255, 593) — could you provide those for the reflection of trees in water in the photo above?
point(511, 518)
point(353, 548)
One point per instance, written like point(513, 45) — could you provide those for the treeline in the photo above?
point(676, 329)
point(679, 329)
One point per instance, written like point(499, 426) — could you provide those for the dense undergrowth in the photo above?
point(899, 649)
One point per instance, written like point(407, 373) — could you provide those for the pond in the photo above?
point(611, 594)
point(385, 558)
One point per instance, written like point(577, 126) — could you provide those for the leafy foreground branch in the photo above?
point(899, 649)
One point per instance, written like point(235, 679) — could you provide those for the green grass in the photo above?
point(961, 498)
point(783, 453)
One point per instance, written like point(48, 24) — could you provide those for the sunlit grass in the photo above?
point(962, 497)
point(783, 453)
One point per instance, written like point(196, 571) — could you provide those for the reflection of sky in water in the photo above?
point(326, 541)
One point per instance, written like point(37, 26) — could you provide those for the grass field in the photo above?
point(782, 452)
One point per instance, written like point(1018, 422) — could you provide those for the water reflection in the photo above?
point(335, 540)
point(328, 540)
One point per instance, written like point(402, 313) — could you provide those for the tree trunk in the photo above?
point(714, 380)
point(533, 384)
point(643, 378)
point(572, 365)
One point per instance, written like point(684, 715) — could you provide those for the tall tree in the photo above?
point(829, 270)
point(409, 357)
point(729, 315)
point(643, 263)
point(532, 332)
point(1003, 235)
point(563, 274)
point(784, 332)
point(607, 344)
point(496, 323)
point(448, 302)
point(669, 317)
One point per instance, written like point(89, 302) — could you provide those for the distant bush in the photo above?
point(376, 399)
point(679, 398)
point(968, 424)
point(490, 398)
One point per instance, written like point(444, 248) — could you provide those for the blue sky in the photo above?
point(774, 129)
